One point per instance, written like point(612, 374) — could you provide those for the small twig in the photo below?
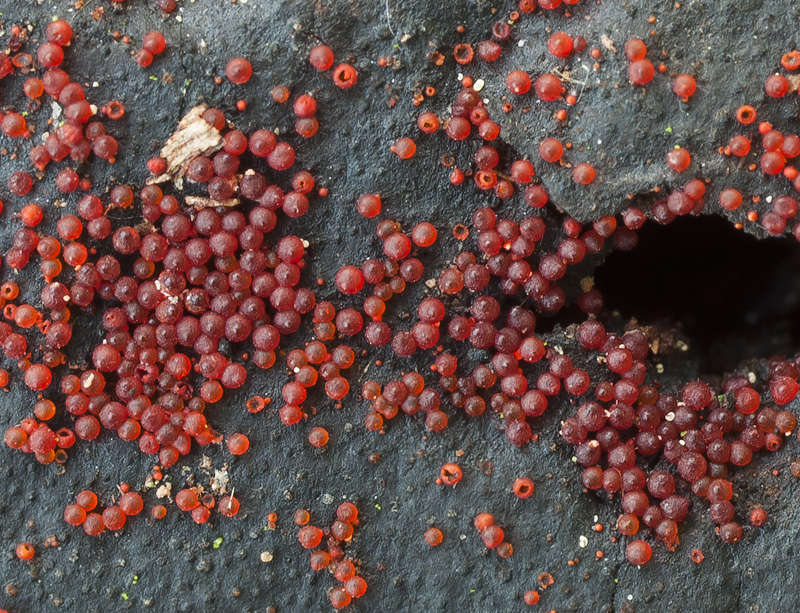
point(585, 81)
point(567, 76)
point(389, 18)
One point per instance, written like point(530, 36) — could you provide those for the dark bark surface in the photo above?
point(175, 565)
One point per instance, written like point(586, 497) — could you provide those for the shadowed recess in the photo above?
point(736, 297)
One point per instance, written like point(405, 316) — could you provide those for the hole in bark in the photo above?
point(736, 297)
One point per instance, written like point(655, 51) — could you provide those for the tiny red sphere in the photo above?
point(492, 536)
point(523, 488)
point(758, 517)
point(458, 128)
point(635, 49)
point(684, 86)
point(318, 437)
point(345, 76)
point(424, 234)
point(369, 205)
point(339, 598)
point(25, 551)
point(548, 87)
point(349, 280)
point(433, 537)
point(641, 72)
point(776, 86)
point(678, 159)
point(305, 106)
point(321, 57)
point(238, 444)
point(772, 162)
point(518, 82)
point(638, 552)
point(428, 123)
point(38, 377)
point(560, 44)
point(59, 32)
point(239, 71)
point(50, 55)
point(143, 58)
point(583, 174)
point(309, 536)
point(404, 148)
point(74, 515)
point(154, 42)
point(551, 150)
point(228, 506)
point(113, 518)
point(730, 199)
